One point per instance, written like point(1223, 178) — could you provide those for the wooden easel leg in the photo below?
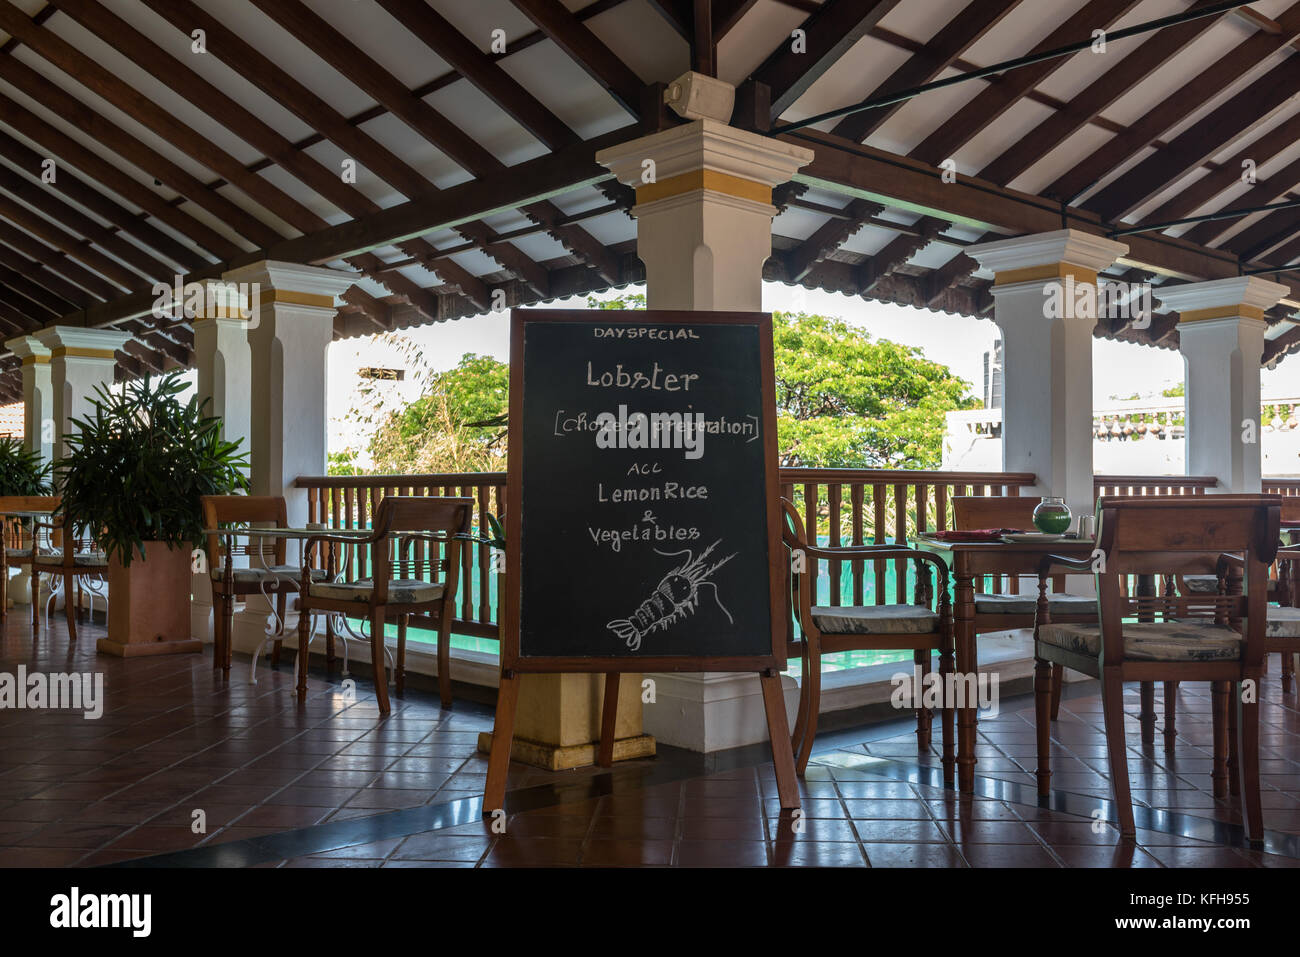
point(608, 719)
point(778, 732)
point(503, 733)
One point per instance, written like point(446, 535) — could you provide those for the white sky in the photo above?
point(1119, 369)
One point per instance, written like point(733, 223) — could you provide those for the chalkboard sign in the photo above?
point(643, 517)
point(642, 456)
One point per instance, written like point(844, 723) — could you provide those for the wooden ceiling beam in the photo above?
point(1204, 139)
point(1283, 345)
point(957, 36)
point(14, 320)
point(78, 191)
point(939, 281)
point(896, 253)
point(24, 286)
point(58, 261)
point(583, 47)
point(45, 202)
point(996, 98)
point(73, 246)
point(728, 13)
point(67, 152)
point(829, 33)
point(134, 151)
point(477, 67)
point(828, 238)
point(1088, 105)
point(32, 312)
point(366, 74)
point(70, 293)
point(100, 81)
point(1193, 94)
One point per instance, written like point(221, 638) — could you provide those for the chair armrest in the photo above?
point(1228, 559)
point(1048, 562)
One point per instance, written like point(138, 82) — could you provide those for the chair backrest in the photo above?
point(1291, 509)
point(445, 518)
point(13, 528)
point(1187, 534)
point(219, 510)
point(993, 511)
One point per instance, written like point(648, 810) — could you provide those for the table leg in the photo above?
point(964, 635)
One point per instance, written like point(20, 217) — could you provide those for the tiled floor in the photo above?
point(331, 785)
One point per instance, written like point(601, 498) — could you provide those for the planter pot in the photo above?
point(149, 604)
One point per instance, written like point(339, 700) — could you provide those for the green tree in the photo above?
point(457, 425)
point(844, 400)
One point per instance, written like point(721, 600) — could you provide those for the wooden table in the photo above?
point(968, 561)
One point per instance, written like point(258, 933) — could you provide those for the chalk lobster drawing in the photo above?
point(676, 596)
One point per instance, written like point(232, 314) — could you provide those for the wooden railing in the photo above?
point(1152, 484)
point(839, 507)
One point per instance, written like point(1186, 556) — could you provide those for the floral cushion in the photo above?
point(1283, 623)
point(1154, 641)
point(400, 591)
point(23, 556)
point(1061, 604)
point(279, 573)
point(50, 560)
point(1202, 584)
point(875, 619)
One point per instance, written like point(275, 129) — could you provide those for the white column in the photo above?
point(292, 323)
point(38, 395)
point(704, 221)
point(704, 230)
point(1221, 333)
point(223, 361)
point(1045, 304)
point(81, 360)
point(38, 428)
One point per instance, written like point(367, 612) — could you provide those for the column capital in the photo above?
point(1046, 256)
point(1236, 297)
point(29, 349)
point(273, 281)
point(81, 343)
point(705, 155)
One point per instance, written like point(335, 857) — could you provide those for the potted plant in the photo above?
point(135, 471)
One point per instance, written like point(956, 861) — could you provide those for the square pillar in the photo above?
point(81, 360)
point(223, 361)
point(1221, 336)
point(704, 211)
point(291, 324)
point(1045, 304)
point(38, 395)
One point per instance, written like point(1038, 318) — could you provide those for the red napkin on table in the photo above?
point(974, 535)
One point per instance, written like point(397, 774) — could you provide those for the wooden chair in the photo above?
point(18, 544)
point(828, 629)
point(1003, 611)
point(401, 524)
point(69, 561)
point(268, 571)
point(1196, 640)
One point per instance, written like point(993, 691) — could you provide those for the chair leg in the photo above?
point(921, 657)
point(1171, 711)
point(1234, 779)
point(1147, 715)
point(1058, 681)
point(218, 631)
point(1044, 686)
point(330, 657)
point(70, 605)
point(1112, 707)
point(1288, 669)
point(813, 680)
point(377, 659)
point(800, 715)
point(1219, 691)
point(304, 647)
point(36, 593)
point(444, 659)
point(948, 712)
point(1248, 757)
point(400, 666)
